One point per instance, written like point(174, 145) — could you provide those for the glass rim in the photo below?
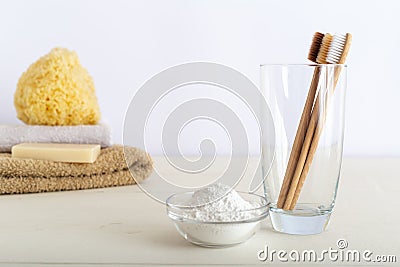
point(173, 211)
point(180, 218)
point(299, 64)
point(171, 205)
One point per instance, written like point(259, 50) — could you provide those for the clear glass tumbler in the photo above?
point(316, 162)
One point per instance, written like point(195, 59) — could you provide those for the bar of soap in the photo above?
point(77, 153)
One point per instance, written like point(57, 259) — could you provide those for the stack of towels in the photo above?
point(56, 100)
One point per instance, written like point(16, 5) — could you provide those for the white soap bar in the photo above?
point(78, 153)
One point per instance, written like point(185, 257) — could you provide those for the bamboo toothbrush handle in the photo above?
point(307, 164)
point(303, 154)
point(317, 123)
point(299, 138)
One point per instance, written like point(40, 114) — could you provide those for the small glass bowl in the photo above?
point(217, 233)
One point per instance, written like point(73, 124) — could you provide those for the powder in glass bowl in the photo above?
point(219, 203)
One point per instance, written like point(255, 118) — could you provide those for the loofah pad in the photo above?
point(57, 90)
point(111, 168)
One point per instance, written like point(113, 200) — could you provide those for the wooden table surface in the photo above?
point(123, 226)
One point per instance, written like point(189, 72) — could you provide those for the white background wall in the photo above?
point(124, 43)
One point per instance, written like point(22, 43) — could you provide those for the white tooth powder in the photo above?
point(213, 206)
point(218, 203)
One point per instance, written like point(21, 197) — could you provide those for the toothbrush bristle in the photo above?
point(325, 48)
point(315, 46)
point(336, 49)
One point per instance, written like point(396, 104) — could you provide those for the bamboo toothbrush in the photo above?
point(333, 51)
point(304, 121)
point(309, 132)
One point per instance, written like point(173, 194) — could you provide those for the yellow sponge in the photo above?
point(57, 90)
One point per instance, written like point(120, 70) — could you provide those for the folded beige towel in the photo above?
point(110, 169)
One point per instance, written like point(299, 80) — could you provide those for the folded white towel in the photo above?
point(11, 135)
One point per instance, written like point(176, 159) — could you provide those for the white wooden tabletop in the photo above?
point(123, 226)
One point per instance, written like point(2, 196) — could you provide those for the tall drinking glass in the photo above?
point(286, 88)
